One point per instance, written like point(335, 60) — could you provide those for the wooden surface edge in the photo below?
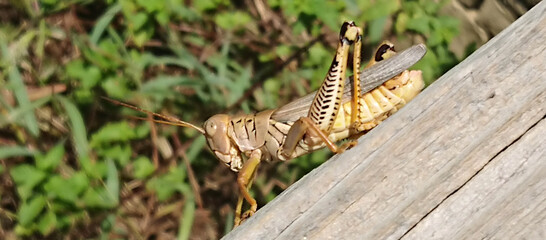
point(310, 207)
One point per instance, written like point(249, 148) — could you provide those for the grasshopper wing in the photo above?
point(370, 78)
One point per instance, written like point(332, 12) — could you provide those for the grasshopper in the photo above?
point(318, 120)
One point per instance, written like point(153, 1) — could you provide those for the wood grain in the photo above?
point(465, 159)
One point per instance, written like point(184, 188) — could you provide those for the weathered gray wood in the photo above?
point(465, 159)
point(504, 199)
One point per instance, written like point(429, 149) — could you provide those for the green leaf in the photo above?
point(116, 87)
point(138, 20)
point(67, 189)
point(79, 135)
point(113, 132)
point(327, 11)
point(419, 24)
point(283, 50)
point(298, 28)
point(376, 28)
point(103, 23)
point(206, 5)
point(107, 225)
point(16, 115)
point(88, 76)
point(164, 83)
point(166, 185)
point(232, 20)
point(23, 231)
point(429, 66)
point(58, 187)
point(143, 167)
point(434, 39)
point(401, 22)
point(151, 6)
point(121, 153)
point(68, 220)
point(186, 220)
point(51, 159)
point(105, 56)
point(30, 210)
point(112, 182)
point(447, 26)
point(26, 177)
point(161, 17)
point(377, 9)
point(47, 223)
point(96, 199)
point(95, 170)
point(15, 151)
point(142, 130)
point(49, 2)
point(142, 37)
point(196, 147)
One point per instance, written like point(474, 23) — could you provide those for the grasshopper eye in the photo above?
point(386, 50)
point(381, 51)
point(210, 128)
point(217, 125)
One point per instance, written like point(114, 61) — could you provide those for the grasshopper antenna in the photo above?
point(166, 119)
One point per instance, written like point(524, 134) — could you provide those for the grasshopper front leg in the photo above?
point(244, 180)
point(324, 109)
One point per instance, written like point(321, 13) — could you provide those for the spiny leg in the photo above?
point(244, 180)
point(326, 104)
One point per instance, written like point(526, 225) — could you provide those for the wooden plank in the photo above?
point(502, 201)
point(409, 166)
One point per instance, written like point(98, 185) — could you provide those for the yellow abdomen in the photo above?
point(379, 104)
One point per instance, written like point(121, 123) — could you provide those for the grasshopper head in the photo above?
point(216, 132)
point(217, 135)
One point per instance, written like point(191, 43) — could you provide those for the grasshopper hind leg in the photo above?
point(327, 102)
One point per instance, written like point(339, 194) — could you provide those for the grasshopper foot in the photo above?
point(239, 219)
point(347, 145)
point(246, 215)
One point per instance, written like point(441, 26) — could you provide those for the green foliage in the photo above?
point(143, 167)
point(185, 58)
point(307, 11)
point(53, 200)
point(232, 20)
point(421, 17)
point(168, 184)
point(16, 84)
point(51, 159)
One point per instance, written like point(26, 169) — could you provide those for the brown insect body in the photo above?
point(312, 122)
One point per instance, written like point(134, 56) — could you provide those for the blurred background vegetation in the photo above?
point(74, 165)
